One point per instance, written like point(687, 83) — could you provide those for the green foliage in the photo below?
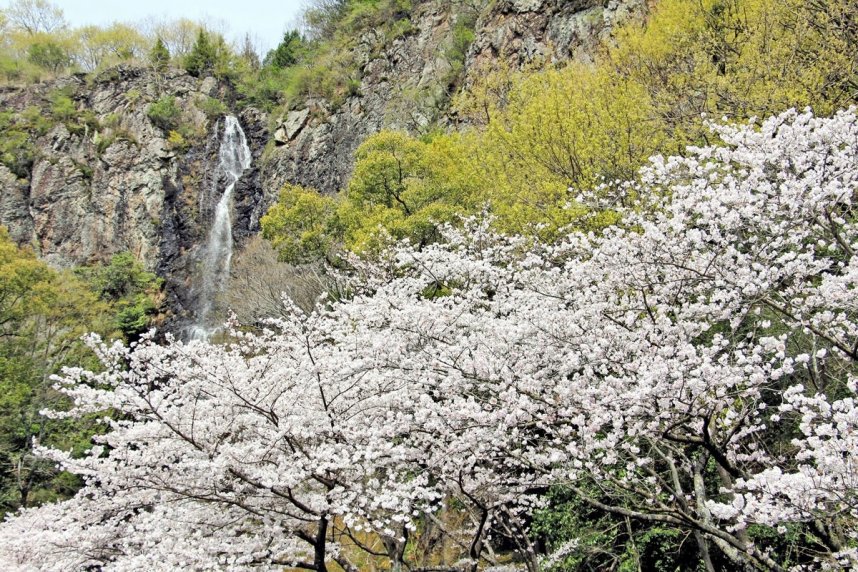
point(332, 20)
point(212, 107)
point(30, 56)
point(302, 225)
point(602, 541)
point(576, 125)
point(462, 37)
point(264, 88)
point(159, 55)
point(332, 75)
point(560, 130)
point(287, 53)
point(97, 47)
point(165, 113)
point(133, 293)
point(85, 169)
point(17, 152)
point(543, 136)
point(43, 313)
point(566, 518)
point(400, 28)
point(133, 95)
point(34, 16)
point(62, 106)
point(63, 109)
point(177, 141)
point(17, 134)
point(48, 55)
point(121, 277)
point(203, 55)
point(210, 55)
point(405, 186)
point(402, 188)
point(326, 65)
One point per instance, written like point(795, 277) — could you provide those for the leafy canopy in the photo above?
point(541, 137)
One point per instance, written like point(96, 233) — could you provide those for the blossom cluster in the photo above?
point(709, 337)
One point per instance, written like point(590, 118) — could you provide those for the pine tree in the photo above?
point(159, 56)
point(287, 52)
point(203, 55)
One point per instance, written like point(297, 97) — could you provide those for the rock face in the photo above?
point(106, 178)
point(118, 183)
point(524, 31)
point(406, 84)
point(294, 123)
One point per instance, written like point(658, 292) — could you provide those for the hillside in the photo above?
point(90, 171)
point(438, 286)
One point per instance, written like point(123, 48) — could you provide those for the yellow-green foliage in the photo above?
point(560, 130)
point(43, 314)
point(302, 225)
point(740, 58)
point(34, 48)
point(540, 137)
point(331, 74)
point(403, 187)
point(549, 130)
point(96, 47)
point(176, 140)
point(17, 134)
point(327, 65)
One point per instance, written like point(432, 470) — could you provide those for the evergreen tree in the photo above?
point(287, 52)
point(203, 55)
point(159, 56)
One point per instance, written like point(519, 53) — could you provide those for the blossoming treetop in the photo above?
point(693, 366)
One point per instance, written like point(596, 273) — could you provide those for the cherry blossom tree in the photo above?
point(243, 452)
point(693, 366)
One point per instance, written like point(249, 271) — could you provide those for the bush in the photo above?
point(63, 109)
point(132, 292)
point(462, 38)
point(17, 134)
point(62, 106)
point(48, 55)
point(165, 114)
point(213, 108)
point(176, 140)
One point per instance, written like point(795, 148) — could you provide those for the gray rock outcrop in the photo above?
point(109, 180)
point(407, 83)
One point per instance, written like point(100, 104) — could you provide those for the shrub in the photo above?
point(212, 107)
point(177, 141)
point(165, 114)
point(62, 106)
point(48, 55)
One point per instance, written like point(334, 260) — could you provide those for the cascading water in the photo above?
point(234, 159)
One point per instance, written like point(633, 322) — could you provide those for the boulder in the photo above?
point(293, 124)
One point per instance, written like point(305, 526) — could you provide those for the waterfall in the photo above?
point(233, 160)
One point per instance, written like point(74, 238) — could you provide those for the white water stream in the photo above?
point(234, 159)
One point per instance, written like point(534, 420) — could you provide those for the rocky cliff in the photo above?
point(406, 84)
point(103, 176)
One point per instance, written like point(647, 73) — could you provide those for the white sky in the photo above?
point(266, 20)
